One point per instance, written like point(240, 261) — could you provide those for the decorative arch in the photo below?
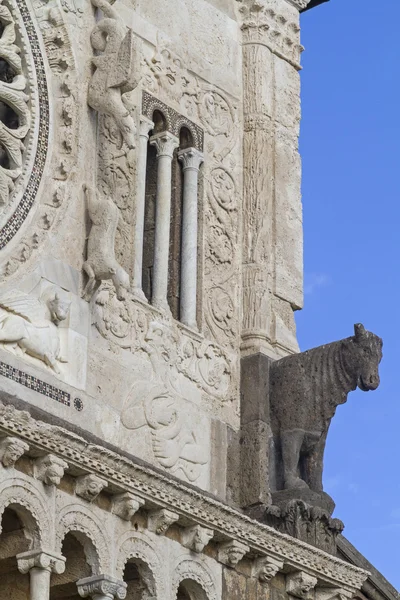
point(89, 531)
point(25, 500)
point(135, 546)
point(196, 579)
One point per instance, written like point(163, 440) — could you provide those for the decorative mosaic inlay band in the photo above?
point(35, 384)
point(174, 120)
point(18, 217)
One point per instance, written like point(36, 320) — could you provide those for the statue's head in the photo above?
point(367, 356)
point(59, 309)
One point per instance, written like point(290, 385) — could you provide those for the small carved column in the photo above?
point(145, 126)
point(102, 587)
point(191, 160)
point(165, 144)
point(40, 566)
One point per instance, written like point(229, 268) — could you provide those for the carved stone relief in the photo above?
point(52, 204)
point(173, 439)
point(166, 77)
point(15, 115)
point(29, 325)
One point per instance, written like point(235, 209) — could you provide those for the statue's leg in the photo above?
point(88, 291)
point(315, 464)
point(291, 443)
point(52, 363)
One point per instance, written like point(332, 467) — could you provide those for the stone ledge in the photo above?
point(192, 505)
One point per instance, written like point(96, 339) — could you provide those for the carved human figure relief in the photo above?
point(174, 442)
point(29, 325)
point(114, 70)
point(101, 263)
point(14, 111)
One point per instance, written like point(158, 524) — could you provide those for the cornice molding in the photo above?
point(124, 475)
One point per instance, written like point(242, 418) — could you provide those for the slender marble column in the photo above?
point(165, 144)
point(40, 565)
point(191, 160)
point(102, 587)
point(145, 126)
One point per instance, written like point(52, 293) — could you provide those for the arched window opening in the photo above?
point(140, 581)
point(166, 229)
point(76, 567)
point(191, 590)
point(175, 239)
point(160, 122)
point(149, 222)
point(185, 138)
point(13, 540)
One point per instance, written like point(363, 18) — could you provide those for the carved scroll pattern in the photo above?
point(62, 65)
point(140, 329)
point(166, 77)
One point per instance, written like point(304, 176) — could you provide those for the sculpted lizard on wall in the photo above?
point(114, 70)
point(305, 390)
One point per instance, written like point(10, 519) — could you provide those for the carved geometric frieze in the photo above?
point(265, 568)
point(11, 449)
point(89, 486)
point(41, 559)
point(174, 121)
point(301, 585)
point(102, 586)
point(50, 469)
point(230, 553)
point(126, 505)
point(196, 537)
point(33, 383)
point(160, 520)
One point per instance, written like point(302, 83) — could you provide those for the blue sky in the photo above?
point(350, 146)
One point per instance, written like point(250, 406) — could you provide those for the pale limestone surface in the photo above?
point(139, 383)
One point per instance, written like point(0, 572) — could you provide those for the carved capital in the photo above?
point(160, 520)
point(230, 553)
point(146, 125)
point(165, 143)
point(191, 158)
point(50, 469)
point(278, 30)
point(11, 449)
point(102, 587)
point(300, 585)
point(196, 537)
point(266, 567)
point(40, 559)
point(89, 486)
point(126, 505)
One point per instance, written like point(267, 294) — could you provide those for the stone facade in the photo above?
point(151, 262)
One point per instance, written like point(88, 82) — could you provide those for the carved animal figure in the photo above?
point(101, 263)
point(113, 74)
point(31, 325)
point(305, 390)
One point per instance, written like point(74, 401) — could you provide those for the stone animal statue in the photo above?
point(305, 390)
point(101, 263)
point(31, 324)
point(113, 76)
